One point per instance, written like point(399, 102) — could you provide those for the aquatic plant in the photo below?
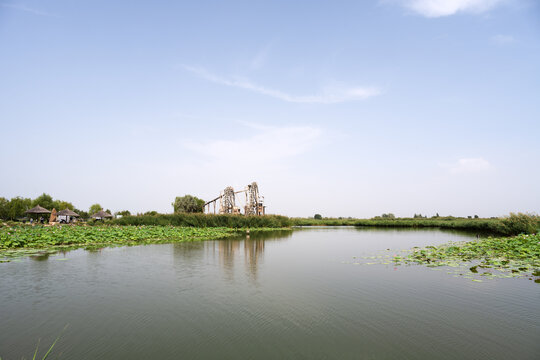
point(25, 236)
point(516, 255)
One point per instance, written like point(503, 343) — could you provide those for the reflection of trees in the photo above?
point(188, 252)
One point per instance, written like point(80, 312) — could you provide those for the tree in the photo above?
point(18, 206)
point(62, 205)
point(44, 200)
point(94, 209)
point(388, 216)
point(188, 204)
point(317, 217)
point(83, 214)
point(4, 208)
point(123, 213)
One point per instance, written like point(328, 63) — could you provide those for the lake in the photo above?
point(302, 294)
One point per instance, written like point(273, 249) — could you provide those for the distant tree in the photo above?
point(317, 217)
point(416, 216)
point(18, 206)
point(188, 204)
point(476, 216)
point(83, 214)
point(123, 213)
point(388, 216)
point(469, 217)
point(4, 208)
point(44, 200)
point(94, 209)
point(62, 205)
point(108, 211)
point(152, 213)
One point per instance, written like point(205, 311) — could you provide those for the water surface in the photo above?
point(279, 295)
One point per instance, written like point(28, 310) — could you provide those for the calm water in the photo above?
point(288, 295)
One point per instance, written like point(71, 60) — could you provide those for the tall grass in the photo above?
point(206, 220)
point(514, 224)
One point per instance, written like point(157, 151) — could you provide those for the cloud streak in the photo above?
point(27, 9)
point(467, 166)
point(440, 8)
point(329, 95)
point(268, 144)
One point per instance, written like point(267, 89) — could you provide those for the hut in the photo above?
point(101, 215)
point(67, 216)
point(37, 210)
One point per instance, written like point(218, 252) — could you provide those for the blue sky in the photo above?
point(344, 108)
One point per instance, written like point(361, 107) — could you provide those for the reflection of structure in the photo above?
point(253, 253)
point(227, 201)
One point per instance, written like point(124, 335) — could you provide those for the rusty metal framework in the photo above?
point(227, 201)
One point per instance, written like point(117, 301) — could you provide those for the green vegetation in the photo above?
point(94, 209)
point(518, 255)
point(16, 207)
point(513, 224)
point(208, 220)
point(188, 204)
point(317, 217)
point(35, 237)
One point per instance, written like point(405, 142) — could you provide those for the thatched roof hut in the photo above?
point(38, 210)
point(101, 215)
point(67, 212)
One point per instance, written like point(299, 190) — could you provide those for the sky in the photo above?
point(342, 108)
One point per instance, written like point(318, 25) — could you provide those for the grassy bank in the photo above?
point(207, 220)
point(513, 224)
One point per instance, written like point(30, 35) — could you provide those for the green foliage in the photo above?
point(4, 208)
point(94, 209)
point(17, 207)
point(317, 217)
point(188, 204)
point(123, 213)
point(519, 254)
point(44, 200)
point(521, 223)
point(83, 214)
point(44, 237)
point(207, 220)
point(62, 205)
point(511, 225)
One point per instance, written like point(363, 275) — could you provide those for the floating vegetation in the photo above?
point(492, 257)
point(40, 241)
point(487, 258)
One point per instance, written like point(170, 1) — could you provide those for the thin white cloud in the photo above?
point(258, 61)
point(268, 144)
point(467, 166)
point(27, 9)
point(439, 8)
point(503, 39)
point(329, 95)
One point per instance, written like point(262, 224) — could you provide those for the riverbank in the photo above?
point(514, 224)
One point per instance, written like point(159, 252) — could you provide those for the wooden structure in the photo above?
point(254, 204)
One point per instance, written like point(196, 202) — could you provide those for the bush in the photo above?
point(206, 220)
point(520, 223)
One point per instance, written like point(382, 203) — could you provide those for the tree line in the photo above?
point(15, 208)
